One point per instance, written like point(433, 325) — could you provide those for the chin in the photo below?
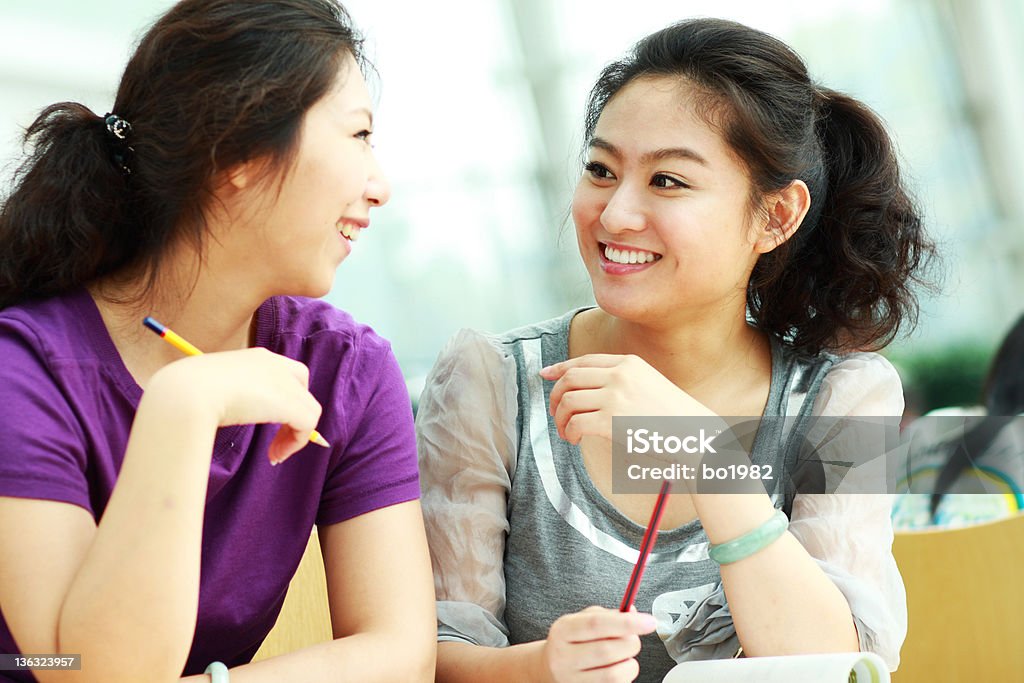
point(310, 289)
point(622, 305)
point(321, 290)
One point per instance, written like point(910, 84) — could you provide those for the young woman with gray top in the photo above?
point(749, 242)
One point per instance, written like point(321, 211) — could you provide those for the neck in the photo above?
point(696, 354)
point(202, 308)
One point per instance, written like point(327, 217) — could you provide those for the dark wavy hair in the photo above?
point(1003, 398)
point(844, 280)
point(212, 84)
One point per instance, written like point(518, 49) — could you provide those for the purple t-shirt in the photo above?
point(68, 404)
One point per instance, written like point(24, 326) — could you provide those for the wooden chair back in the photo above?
point(305, 618)
point(965, 600)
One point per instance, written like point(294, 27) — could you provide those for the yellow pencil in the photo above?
point(172, 338)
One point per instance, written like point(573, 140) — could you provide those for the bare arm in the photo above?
point(382, 606)
point(787, 588)
point(381, 594)
point(133, 581)
point(467, 663)
point(780, 599)
point(124, 594)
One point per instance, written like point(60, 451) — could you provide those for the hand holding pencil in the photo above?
point(270, 388)
point(595, 638)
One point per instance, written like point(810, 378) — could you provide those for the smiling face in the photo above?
point(296, 231)
point(662, 212)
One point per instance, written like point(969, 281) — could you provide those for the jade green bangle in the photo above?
point(750, 542)
point(218, 672)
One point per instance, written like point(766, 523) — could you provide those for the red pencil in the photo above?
point(646, 545)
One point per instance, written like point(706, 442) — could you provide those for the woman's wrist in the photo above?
point(539, 670)
point(726, 516)
point(752, 542)
point(177, 390)
point(170, 395)
point(163, 425)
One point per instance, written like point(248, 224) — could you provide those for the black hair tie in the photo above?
point(119, 130)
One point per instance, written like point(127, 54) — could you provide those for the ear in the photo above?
point(786, 211)
point(234, 189)
point(241, 175)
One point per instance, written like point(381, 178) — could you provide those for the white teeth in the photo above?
point(626, 257)
point(350, 231)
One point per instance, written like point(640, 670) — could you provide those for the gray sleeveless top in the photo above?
point(569, 548)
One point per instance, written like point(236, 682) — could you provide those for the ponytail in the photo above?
point(846, 280)
point(63, 223)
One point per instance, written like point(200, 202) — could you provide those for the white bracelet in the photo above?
point(218, 672)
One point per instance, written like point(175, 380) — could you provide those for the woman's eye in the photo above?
point(597, 170)
point(667, 182)
point(364, 135)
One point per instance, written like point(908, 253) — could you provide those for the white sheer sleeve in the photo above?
point(466, 434)
point(850, 534)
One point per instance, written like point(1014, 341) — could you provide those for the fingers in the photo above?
point(576, 402)
point(596, 423)
point(575, 379)
point(286, 442)
point(250, 386)
point(261, 386)
point(588, 384)
point(590, 360)
point(599, 654)
point(626, 670)
point(300, 417)
point(581, 390)
point(596, 623)
point(285, 398)
point(596, 644)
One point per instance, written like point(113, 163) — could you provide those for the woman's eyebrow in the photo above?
point(656, 155)
point(362, 110)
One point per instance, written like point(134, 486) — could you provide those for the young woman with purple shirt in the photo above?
point(144, 523)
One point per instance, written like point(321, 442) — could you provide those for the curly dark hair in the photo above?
point(845, 279)
point(212, 84)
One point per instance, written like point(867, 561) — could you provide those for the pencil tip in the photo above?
point(319, 440)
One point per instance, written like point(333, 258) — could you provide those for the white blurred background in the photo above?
point(478, 127)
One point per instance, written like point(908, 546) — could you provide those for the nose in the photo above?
point(378, 189)
point(623, 212)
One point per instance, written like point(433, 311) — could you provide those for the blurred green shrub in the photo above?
point(949, 376)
